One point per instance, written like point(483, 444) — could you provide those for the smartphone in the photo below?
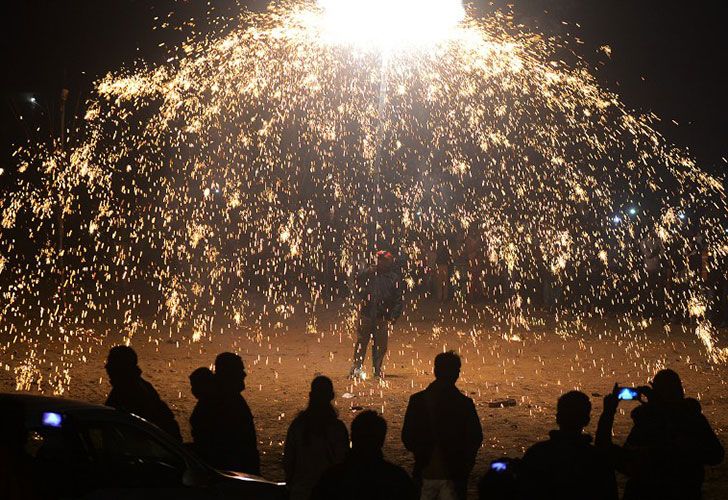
point(627, 394)
point(499, 466)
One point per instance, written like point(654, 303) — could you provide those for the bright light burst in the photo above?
point(242, 172)
point(389, 24)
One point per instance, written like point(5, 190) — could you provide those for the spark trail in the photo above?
point(241, 172)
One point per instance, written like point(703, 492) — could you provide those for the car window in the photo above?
point(57, 455)
point(55, 445)
point(118, 442)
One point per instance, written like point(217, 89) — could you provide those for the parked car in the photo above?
point(81, 450)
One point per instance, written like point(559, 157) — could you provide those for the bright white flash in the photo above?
point(390, 24)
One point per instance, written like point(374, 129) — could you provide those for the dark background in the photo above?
point(668, 57)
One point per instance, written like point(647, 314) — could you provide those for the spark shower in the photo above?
point(254, 163)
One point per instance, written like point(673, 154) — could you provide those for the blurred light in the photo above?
point(681, 215)
point(389, 24)
point(616, 219)
point(33, 101)
point(499, 466)
point(632, 211)
point(52, 419)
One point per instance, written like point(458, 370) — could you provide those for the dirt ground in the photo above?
point(530, 361)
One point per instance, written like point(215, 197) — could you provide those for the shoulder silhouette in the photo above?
point(365, 474)
point(202, 420)
point(670, 443)
point(315, 441)
point(227, 435)
point(131, 393)
point(442, 429)
point(567, 466)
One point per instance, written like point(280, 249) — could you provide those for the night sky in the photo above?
point(668, 57)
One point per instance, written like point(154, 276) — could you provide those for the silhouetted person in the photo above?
point(16, 478)
point(132, 394)
point(443, 261)
point(653, 255)
point(365, 474)
point(202, 420)
point(380, 291)
point(442, 429)
point(316, 440)
point(669, 445)
point(567, 466)
point(233, 436)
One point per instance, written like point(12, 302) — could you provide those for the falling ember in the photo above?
point(253, 162)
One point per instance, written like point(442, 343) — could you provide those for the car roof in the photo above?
point(35, 402)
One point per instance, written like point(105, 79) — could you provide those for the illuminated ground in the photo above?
point(535, 370)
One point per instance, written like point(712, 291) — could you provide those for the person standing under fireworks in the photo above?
point(442, 272)
point(652, 255)
point(380, 290)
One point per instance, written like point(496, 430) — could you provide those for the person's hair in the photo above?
point(320, 413)
point(229, 371)
point(121, 364)
point(202, 382)
point(573, 411)
point(667, 386)
point(368, 431)
point(447, 366)
point(122, 356)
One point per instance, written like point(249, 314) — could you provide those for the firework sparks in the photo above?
point(243, 168)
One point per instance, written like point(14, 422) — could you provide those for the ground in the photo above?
point(532, 361)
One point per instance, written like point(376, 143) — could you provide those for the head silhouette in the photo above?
point(667, 386)
point(230, 372)
point(322, 391)
point(573, 411)
point(368, 431)
point(202, 383)
point(447, 367)
point(121, 365)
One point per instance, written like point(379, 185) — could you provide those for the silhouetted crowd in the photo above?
point(663, 456)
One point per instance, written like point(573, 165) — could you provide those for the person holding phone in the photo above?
point(670, 443)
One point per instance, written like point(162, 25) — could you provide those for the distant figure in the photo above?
point(132, 394)
point(380, 290)
point(443, 262)
point(442, 429)
point(653, 255)
point(316, 440)
point(567, 466)
point(365, 474)
point(698, 253)
point(431, 267)
point(202, 420)
point(16, 477)
point(669, 445)
point(233, 438)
